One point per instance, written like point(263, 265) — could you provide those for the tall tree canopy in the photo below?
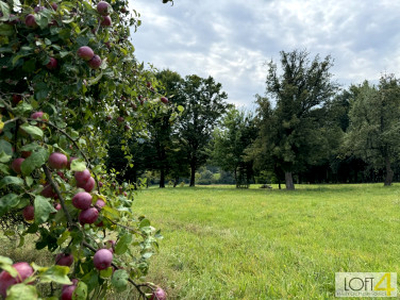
point(237, 132)
point(374, 133)
point(289, 130)
point(204, 104)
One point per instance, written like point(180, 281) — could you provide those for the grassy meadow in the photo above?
point(224, 243)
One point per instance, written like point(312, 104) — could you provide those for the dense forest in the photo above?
point(305, 129)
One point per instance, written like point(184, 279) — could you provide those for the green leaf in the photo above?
point(5, 9)
point(30, 147)
point(4, 169)
point(23, 107)
point(144, 223)
point(6, 29)
point(120, 280)
point(16, 5)
point(4, 158)
point(22, 292)
point(81, 291)
point(6, 264)
point(43, 208)
point(36, 160)
point(106, 273)
point(33, 131)
point(6, 147)
point(110, 212)
point(11, 180)
point(41, 91)
point(78, 165)
point(57, 274)
point(8, 202)
point(123, 244)
point(180, 108)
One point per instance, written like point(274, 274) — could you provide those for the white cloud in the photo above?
point(231, 40)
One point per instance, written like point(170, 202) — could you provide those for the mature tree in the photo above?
point(289, 131)
point(64, 89)
point(236, 133)
point(374, 133)
point(204, 104)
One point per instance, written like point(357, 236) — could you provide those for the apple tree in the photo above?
point(68, 80)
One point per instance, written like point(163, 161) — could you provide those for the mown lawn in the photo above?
point(224, 243)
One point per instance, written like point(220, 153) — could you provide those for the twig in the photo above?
point(126, 227)
point(55, 187)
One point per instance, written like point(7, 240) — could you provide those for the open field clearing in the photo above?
point(224, 243)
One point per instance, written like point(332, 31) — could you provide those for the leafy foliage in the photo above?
point(290, 136)
point(54, 99)
point(374, 132)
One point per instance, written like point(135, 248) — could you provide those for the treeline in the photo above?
point(305, 130)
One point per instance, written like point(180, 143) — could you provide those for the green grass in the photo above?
point(224, 243)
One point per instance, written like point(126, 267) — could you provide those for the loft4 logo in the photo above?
point(366, 284)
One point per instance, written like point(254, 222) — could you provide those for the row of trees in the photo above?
point(305, 128)
point(310, 128)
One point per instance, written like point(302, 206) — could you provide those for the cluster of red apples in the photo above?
point(86, 53)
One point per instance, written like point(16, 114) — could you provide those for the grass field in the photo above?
point(224, 243)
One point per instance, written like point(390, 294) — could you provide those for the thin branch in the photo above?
point(57, 190)
point(126, 227)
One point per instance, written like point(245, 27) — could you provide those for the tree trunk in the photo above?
point(236, 180)
point(389, 172)
point(162, 178)
point(289, 181)
point(192, 175)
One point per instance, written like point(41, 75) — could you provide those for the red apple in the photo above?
point(120, 119)
point(164, 100)
point(37, 115)
point(158, 294)
point(29, 213)
point(67, 292)
point(52, 64)
point(24, 271)
point(89, 186)
point(16, 164)
point(95, 62)
point(82, 200)
point(54, 5)
point(38, 8)
point(30, 21)
point(48, 192)
point(82, 177)
point(63, 259)
point(85, 53)
point(57, 206)
point(106, 21)
point(102, 259)
point(100, 204)
point(16, 99)
point(58, 160)
point(103, 8)
point(88, 216)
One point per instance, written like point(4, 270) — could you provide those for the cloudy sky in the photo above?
point(232, 39)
